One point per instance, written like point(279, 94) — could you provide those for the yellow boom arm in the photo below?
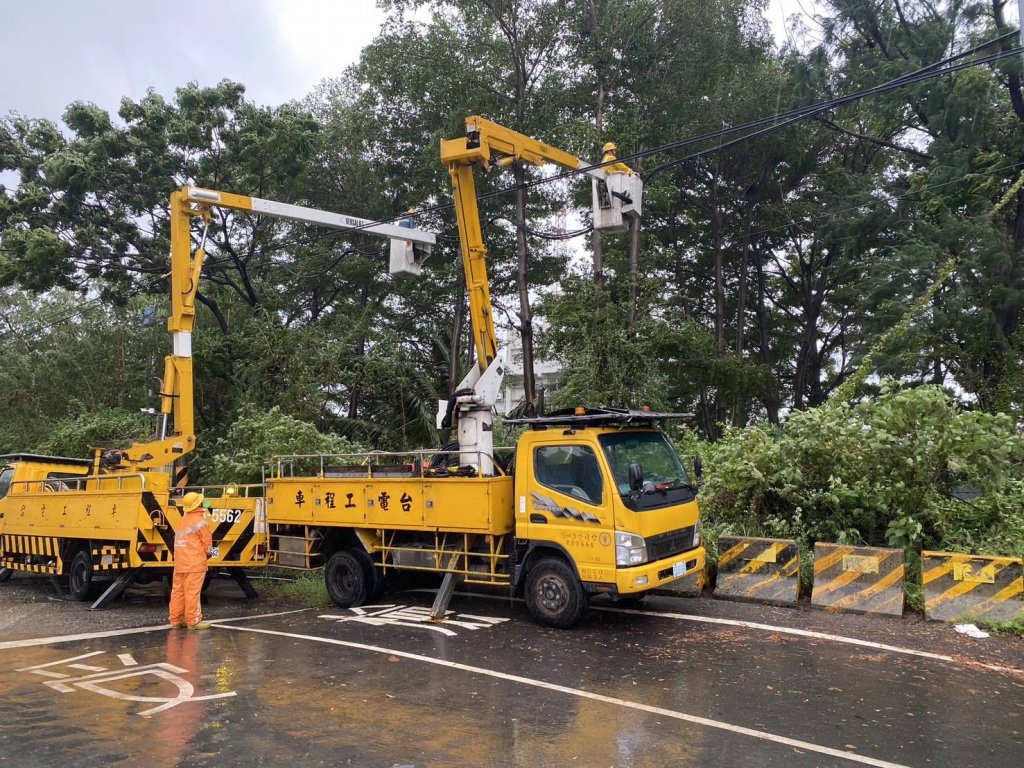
point(176, 392)
point(488, 144)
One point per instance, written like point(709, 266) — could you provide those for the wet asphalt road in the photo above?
point(684, 683)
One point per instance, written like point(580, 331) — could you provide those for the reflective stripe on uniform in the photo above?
point(180, 538)
point(193, 529)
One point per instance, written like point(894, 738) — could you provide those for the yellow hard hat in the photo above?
point(191, 501)
point(609, 147)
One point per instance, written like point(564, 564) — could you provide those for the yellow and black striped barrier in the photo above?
point(35, 554)
point(960, 586)
point(858, 579)
point(763, 570)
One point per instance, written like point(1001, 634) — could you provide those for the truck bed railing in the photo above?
point(425, 463)
point(228, 490)
point(57, 484)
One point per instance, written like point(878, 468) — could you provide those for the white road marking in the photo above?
point(84, 636)
point(781, 630)
point(87, 667)
point(582, 693)
point(58, 663)
point(127, 659)
point(768, 628)
point(807, 633)
point(130, 631)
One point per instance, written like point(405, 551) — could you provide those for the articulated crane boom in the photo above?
point(488, 145)
point(409, 246)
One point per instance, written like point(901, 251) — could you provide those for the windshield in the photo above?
point(5, 480)
point(651, 450)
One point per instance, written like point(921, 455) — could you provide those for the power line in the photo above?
point(59, 318)
point(771, 123)
point(882, 200)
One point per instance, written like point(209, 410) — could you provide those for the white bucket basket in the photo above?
point(617, 201)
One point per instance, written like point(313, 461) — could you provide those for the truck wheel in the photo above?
point(80, 576)
point(374, 578)
point(554, 595)
point(5, 574)
point(346, 578)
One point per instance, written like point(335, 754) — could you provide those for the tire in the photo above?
point(80, 576)
point(346, 577)
point(374, 578)
point(5, 574)
point(554, 594)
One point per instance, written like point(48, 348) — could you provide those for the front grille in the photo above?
point(671, 543)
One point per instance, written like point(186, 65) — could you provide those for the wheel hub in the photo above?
point(552, 594)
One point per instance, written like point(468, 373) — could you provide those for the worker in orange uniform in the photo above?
point(193, 545)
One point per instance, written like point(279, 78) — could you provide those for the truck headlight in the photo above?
point(696, 534)
point(630, 549)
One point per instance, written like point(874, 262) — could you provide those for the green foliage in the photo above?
point(773, 275)
point(1014, 628)
point(604, 363)
point(257, 435)
point(308, 589)
point(64, 362)
point(879, 473)
point(75, 436)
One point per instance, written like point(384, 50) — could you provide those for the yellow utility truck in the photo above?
point(74, 518)
point(114, 516)
point(591, 500)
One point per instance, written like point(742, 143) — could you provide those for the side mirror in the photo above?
point(636, 477)
point(698, 467)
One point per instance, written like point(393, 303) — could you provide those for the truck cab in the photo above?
point(603, 491)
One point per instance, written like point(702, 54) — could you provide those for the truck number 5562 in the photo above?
point(225, 515)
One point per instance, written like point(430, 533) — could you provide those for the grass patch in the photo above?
point(1013, 628)
point(307, 587)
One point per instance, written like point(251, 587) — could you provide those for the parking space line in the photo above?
point(35, 641)
point(585, 694)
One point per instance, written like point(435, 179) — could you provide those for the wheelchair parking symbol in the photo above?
point(103, 680)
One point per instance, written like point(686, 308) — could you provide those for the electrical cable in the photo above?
point(773, 123)
point(61, 317)
point(798, 115)
point(544, 235)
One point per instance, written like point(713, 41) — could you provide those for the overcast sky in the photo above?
point(53, 52)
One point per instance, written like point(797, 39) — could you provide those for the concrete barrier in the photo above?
point(858, 579)
point(959, 586)
point(761, 570)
